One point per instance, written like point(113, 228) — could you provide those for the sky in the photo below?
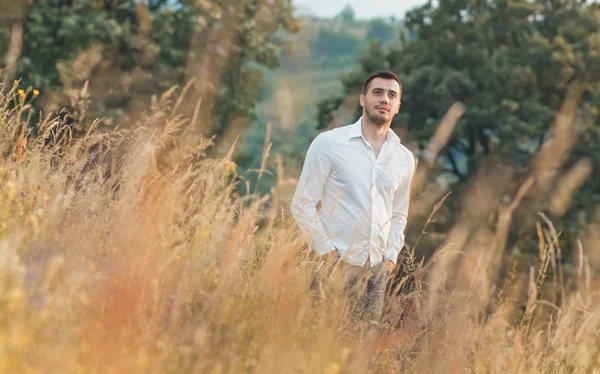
point(363, 8)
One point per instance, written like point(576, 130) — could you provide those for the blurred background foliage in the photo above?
point(130, 50)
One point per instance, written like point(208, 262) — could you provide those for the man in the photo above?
point(361, 175)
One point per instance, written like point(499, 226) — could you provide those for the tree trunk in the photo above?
point(469, 263)
point(143, 18)
point(211, 51)
point(15, 49)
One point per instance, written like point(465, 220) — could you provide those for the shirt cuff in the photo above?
point(392, 254)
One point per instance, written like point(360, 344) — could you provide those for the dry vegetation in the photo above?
point(129, 251)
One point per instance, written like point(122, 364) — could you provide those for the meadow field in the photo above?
point(133, 251)
point(150, 149)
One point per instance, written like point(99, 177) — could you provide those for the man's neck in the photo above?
point(374, 133)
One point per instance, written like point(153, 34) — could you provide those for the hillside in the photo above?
point(320, 53)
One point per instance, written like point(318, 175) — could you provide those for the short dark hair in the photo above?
point(383, 75)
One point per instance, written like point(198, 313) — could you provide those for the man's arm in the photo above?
point(316, 170)
point(398, 222)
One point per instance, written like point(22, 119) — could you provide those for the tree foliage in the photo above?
point(130, 50)
point(511, 63)
point(348, 14)
point(331, 45)
point(382, 30)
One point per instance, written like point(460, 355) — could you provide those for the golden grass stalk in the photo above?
point(126, 251)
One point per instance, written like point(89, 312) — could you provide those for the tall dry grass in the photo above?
point(130, 251)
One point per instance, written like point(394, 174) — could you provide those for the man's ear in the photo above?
point(399, 105)
point(362, 100)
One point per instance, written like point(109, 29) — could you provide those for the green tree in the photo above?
point(228, 54)
point(330, 45)
point(130, 50)
point(511, 63)
point(347, 14)
point(382, 30)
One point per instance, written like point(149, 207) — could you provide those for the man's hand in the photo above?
point(389, 265)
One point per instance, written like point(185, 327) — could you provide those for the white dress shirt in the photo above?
point(364, 198)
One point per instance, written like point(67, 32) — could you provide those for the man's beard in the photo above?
point(376, 118)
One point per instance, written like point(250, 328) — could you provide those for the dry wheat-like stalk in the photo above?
point(128, 251)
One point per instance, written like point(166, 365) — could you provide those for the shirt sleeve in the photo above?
point(400, 205)
point(315, 172)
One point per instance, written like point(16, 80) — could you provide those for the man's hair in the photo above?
point(383, 75)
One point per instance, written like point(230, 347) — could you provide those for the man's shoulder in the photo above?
point(404, 150)
point(405, 153)
point(325, 141)
point(335, 134)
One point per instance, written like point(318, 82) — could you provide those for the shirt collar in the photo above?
point(356, 131)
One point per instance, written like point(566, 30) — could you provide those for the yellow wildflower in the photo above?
point(21, 94)
point(35, 93)
point(232, 167)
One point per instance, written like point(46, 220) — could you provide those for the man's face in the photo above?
point(382, 100)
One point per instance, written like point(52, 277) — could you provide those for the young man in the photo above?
point(361, 175)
